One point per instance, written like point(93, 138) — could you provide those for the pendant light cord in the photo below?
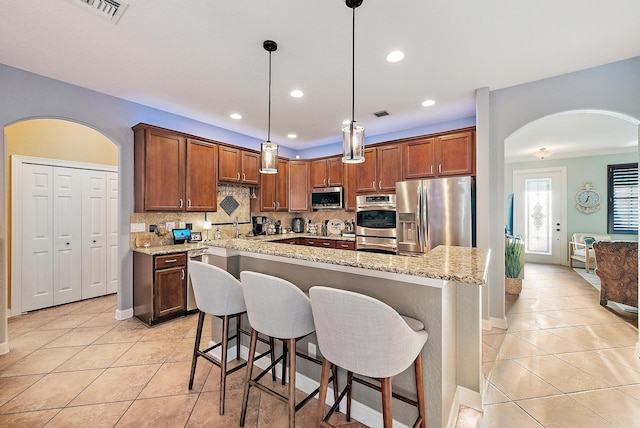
point(269, 114)
point(353, 68)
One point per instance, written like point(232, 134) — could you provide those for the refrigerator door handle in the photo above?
point(424, 225)
point(418, 216)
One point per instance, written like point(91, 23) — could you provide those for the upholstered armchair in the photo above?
point(618, 271)
point(580, 248)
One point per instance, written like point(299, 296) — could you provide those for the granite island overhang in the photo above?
point(442, 288)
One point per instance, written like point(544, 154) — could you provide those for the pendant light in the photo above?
point(353, 133)
point(269, 150)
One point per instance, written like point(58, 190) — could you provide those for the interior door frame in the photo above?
point(564, 246)
point(16, 215)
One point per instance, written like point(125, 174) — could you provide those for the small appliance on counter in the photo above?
point(259, 224)
point(297, 225)
point(180, 236)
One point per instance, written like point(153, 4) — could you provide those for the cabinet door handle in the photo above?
point(311, 242)
point(182, 274)
point(431, 169)
point(324, 181)
point(180, 203)
point(273, 205)
point(278, 205)
point(244, 176)
point(439, 168)
point(374, 185)
point(238, 176)
point(326, 244)
point(380, 185)
point(189, 203)
point(171, 261)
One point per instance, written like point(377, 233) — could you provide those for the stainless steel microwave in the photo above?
point(323, 198)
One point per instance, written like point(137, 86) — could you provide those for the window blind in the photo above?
point(623, 199)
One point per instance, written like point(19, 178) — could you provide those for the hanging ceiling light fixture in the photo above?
point(269, 150)
point(353, 133)
point(543, 153)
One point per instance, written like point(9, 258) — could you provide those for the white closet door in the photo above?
point(94, 231)
point(37, 237)
point(113, 265)
point(67, 232)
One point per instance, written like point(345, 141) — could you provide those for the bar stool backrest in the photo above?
point(216, 291)
point(362, 334)
point(276, 307)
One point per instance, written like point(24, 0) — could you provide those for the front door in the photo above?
point(540, 213)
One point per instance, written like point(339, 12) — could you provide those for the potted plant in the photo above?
point(513, 264)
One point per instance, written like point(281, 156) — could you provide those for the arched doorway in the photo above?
point(63, 145)
point(582, 143)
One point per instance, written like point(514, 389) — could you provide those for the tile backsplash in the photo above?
point(223, 221)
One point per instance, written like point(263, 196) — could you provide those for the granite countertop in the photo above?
point(460, 264)
point(169, 249)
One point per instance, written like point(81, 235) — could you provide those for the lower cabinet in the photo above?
point(159, 286)
point(320, 242)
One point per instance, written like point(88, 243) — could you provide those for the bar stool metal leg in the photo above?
point(223, 361)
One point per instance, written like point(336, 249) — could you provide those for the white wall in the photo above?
point(613, 87)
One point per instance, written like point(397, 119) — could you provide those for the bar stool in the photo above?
point(278, 309)
point(219, 294)
point(369, 338)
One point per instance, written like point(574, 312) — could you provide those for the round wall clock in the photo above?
point(587, 199)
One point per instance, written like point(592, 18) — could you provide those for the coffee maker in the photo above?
point(259, 224)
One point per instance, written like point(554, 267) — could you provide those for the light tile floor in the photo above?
point(563, 362)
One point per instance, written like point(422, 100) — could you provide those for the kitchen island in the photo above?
point(442, 289)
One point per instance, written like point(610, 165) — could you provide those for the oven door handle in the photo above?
point(376, 208)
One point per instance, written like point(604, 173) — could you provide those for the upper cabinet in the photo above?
point(299, 198)
point(274, 189)
point(327, 172)
point(381, 169)
point(446, 155)
point(238, 166)
point(173, 172)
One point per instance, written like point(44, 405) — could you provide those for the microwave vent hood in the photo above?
point(327, 198)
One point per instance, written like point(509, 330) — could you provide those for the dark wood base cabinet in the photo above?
point(159, 286)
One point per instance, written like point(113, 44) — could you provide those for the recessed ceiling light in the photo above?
point(296, 93)
point(292, 136)
point(428, 103)
point(395, 56)
point(235, 116)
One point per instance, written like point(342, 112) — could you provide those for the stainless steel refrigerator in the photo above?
point(439, 211)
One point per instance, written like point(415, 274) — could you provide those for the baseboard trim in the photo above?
point(492, 322)
point(125, 314)
point(4, 348)
point(638, 349)
point(463, 397)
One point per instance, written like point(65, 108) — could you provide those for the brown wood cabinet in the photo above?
point(238, 166)
point(319, 242)
point(299, 198)
point(349, 195)
point(381, 169)
point(274, 189)
point(159, 286)
point(445, 155)
point(173, 172)
point(345, 245)
point(327, 172)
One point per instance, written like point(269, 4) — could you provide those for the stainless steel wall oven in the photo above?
point(376, 223)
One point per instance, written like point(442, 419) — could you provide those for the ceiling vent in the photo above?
point(108, 9)
point(381, 113)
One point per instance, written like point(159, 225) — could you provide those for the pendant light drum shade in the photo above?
point(353, 133)
point(269, 150)
point(353, 143)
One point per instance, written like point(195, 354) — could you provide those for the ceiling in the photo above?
point(204, 59)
